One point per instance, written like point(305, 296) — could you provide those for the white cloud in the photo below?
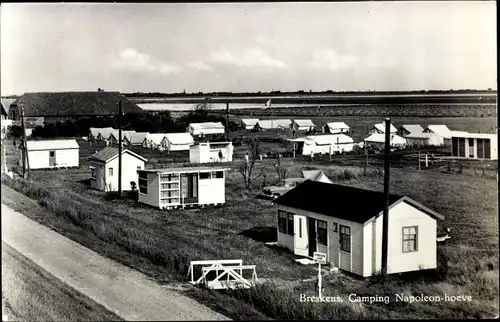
point(253, 57)
point(131, 60)
point(330, 59)
point(199, 66)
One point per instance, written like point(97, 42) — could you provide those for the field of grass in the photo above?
point(29, 293)
point(161, 243)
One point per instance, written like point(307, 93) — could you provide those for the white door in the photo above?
point(301, 243)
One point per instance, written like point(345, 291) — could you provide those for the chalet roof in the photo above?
point(75, 103)
point(344, 202)
point(179, 138)
point(381, 127)
point(43, 145)
point(413, 128)
point(109, 153)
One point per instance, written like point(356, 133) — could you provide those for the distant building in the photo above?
point(282, 124)
point(211, 152)
point(380, 129)
point(323, 144)
point(474, 145)
point(378, 140)
point(104, 169)
point(408, 129)
point(209, 129)
point(345, 223)
point(182, 187)
point(303, 124)
point(248, 124)
point(46, 154)
point(424, 139)
point(336, 128)
point(177, 141)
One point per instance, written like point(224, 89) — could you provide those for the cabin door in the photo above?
point(300, 237)
point(311, 227)
point(52, 158)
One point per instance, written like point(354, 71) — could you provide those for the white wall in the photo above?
point(211, 191)
point(401, 215)
point(177, 147)
point(201, 153)
point(64, 158)
point(129, 172)
point(152, 198)
point(325, 149)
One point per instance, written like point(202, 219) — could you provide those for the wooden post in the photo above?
point(427, 160)
point(385, 219)
point(227, 121)
point(120, 149)
point(319, 279)
point(25, 147)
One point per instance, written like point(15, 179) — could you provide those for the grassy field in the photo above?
point(31, 294)
point(161, 243)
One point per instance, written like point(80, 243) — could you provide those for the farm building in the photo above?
point(407, 129)
point(153, 140)
point(380, 129)
point(282, 124)
point(46, 154)
point(474, 145)
point(336, 128)
point(324, 144)
point(345, 223)
point(181, 187)
point(210, 152)
point(136, 138)
point(378, 140)
point(206, 128)
point(71, 104)
point(104, 169)
point(113, 137)
point(424, 139)
point(177, 141)
point(303, 125)
point(315, 175)
point(248, 124)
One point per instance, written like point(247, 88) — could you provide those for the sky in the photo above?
point(248, 47)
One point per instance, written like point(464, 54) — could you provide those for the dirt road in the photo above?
point(129, 294)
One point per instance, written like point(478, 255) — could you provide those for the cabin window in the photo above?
point(322, 232)
point(345, 238)
point(410, 239)
point(219, 174)
point(110, 172)
point(204, 175)
point(52, 154)
point(290, 224)
point(143, 182)
point(93, 173)
point(282, 219)
point(300, 227)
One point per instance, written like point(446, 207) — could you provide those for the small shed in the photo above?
point(248, 124)
point(474, 145)
point(282, 124)
point(182, 187)
point(378, 140)
point(336, 128)
point(380, 129)
point(153, 140)
point(407, 129)
point(345, 223)
point(177, 141)
point(302, 124)
point(424, 139)
point(46, 154)
point(104, 169)
point(211, 152)
point(206, 128)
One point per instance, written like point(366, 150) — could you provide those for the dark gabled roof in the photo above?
point(75, 103)
point(109, 153)
point(336, 200)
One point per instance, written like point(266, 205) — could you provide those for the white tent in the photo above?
point(424, 139)
point(249, 124)
point(153, 140)
point(336, 127)
point(327, 144)
point(379, 140)
point(302, 124)
point(177, 141)
point(273, 124)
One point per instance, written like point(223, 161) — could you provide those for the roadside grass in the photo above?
point(162, 243)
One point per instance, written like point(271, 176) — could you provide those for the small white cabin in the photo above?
point(182, 187)
point(104, 169)
point(345, 223)
point(211, 152)
point(177, 141)
point(474, 145)
point(46, 154)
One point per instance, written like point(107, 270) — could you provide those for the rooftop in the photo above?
point(109, 153)
point(33, 145)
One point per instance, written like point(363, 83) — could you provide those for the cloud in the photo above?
point(130, 60)
point(330, 59)
point(199, 66)
point(254, 57)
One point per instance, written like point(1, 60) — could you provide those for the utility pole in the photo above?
point(385, 220)
point(25, 146)
point(227, 121)
point(120, 149)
